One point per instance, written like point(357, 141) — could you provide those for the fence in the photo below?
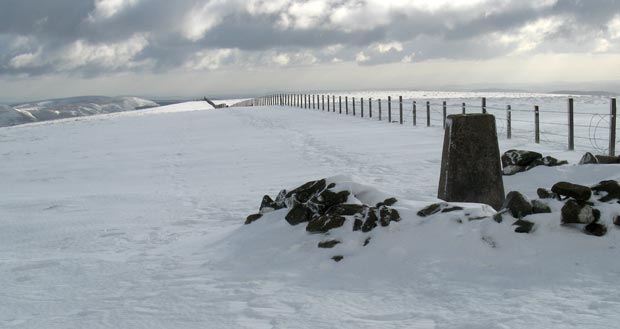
point(598, 129)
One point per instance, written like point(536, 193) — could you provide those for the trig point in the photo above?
point(471, 170)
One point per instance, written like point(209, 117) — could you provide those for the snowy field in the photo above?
point(134, 220)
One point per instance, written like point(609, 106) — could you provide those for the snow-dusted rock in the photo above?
point(574, 212)
point(570, 190)
point(517, 204)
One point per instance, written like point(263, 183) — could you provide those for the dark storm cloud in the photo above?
point(77, 37)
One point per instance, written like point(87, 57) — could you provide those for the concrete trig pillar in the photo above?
point(471, 169)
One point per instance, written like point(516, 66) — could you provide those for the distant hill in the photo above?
point(499, 90)
point(68, 108)
point(584, 93)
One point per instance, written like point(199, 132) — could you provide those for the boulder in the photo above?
point(299, 214)
point(252, 218)
point(546, 194)
point(323, 224)
point(269, 205)
point(519, 158)
point(590, 158)
point(303, 193)
point(512, 169)
point(610, 187)
point(517, 204)
point(328, 244)
point(523, 226)
point(569, 190)
point(370, 222)
point(539, 207)
point(387, 215)
point(595, 229)
point(617, 221)
point(387, 202)
point(574, 212)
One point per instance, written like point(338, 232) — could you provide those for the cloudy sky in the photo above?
point(54, 48)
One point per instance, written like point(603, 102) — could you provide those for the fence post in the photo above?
point(346, 105)
point(484, 105)
point(400, 108)
point(362, 106)
point(612, 128)
point(428, 113)
point(390, 109)
point(415, 119)
point(339, 104)
point(536, 125)
point(327, 103)
point(369, 107)
point(379, 103)
point(508, 122)
point(464, 108)
point(571, 126)
point(334, 103)
point(323, 102)
point(445, 113)
point(353, 100)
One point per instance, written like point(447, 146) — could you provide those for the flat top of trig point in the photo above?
point(469, 115)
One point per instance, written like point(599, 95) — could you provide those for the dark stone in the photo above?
point(388, 202)
point(517, 204)
point(590, 158)
point(327, 199)
point(519, 158)
point(323, 224)
point(367, 241)
point(357, 224)
point(303, 193)
point(470, 168)
point(569, 190)
point(331, 185)
point(338, 258)
point(268, 205)
point(280, 198)
point(252, 218)
point(546, 194)
point(539, 207)
point(617, 221)
point(595, 229)
point(499, 217)
point(370, 222)
point(611, 187)
point(523, 226)
point(451, 209)
point(387, 215)
point(299, 214)
point(328, 244)
point(429, 210)
point(574, 212)
point(347, 209)
point(511, 170)
point(546, 161)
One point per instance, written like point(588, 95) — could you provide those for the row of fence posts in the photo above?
point(312, 101)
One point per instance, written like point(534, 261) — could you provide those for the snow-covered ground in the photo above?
point(134, 220)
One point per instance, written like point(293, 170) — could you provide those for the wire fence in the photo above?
point(586, 125)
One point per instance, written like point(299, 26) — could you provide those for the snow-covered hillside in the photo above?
point(135, 220)
point(68, 108)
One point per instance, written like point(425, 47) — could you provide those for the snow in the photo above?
point(134, 220)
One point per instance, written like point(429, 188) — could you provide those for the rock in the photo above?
point(387, 215)
point(523, 226)
point(498, 217)
point(370, 222)
point(299, 214)
point(338, 258)
point(611, 187)
point(590, 158)
point(569, 190)
point(387, 202)
point(517, 204)
point(357, 224)
point(328, 244)
point(303, 193)
point(323, 224)
point(252, 218)
point(575, 213)
point(548, 161)
point(617, 221)
point(471, 170)
point(511, 170)
point(519, 158)
point(546, 194)
point(327, 199)
point(268, 205)
point(367, 241)
point(539, 207)
point(347, 209)
point(438, 207)
point(595, 229)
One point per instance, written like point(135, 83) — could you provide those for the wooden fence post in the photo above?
point(353, 100)
point(369, 107)
point(327, 103)
point(612, 128)
point(323, 102)
point(346, 104)
point(428, 113)
point(390, 109)
point(571, 126)
point(508, 122)
point(536, 125)
point(400, 108)
point(379, 104)
point(415, 119)
point(340, 104)
point(484, 105)
point(362, 106)
point(334, 103)
point(464, 108)
point(445, 113)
